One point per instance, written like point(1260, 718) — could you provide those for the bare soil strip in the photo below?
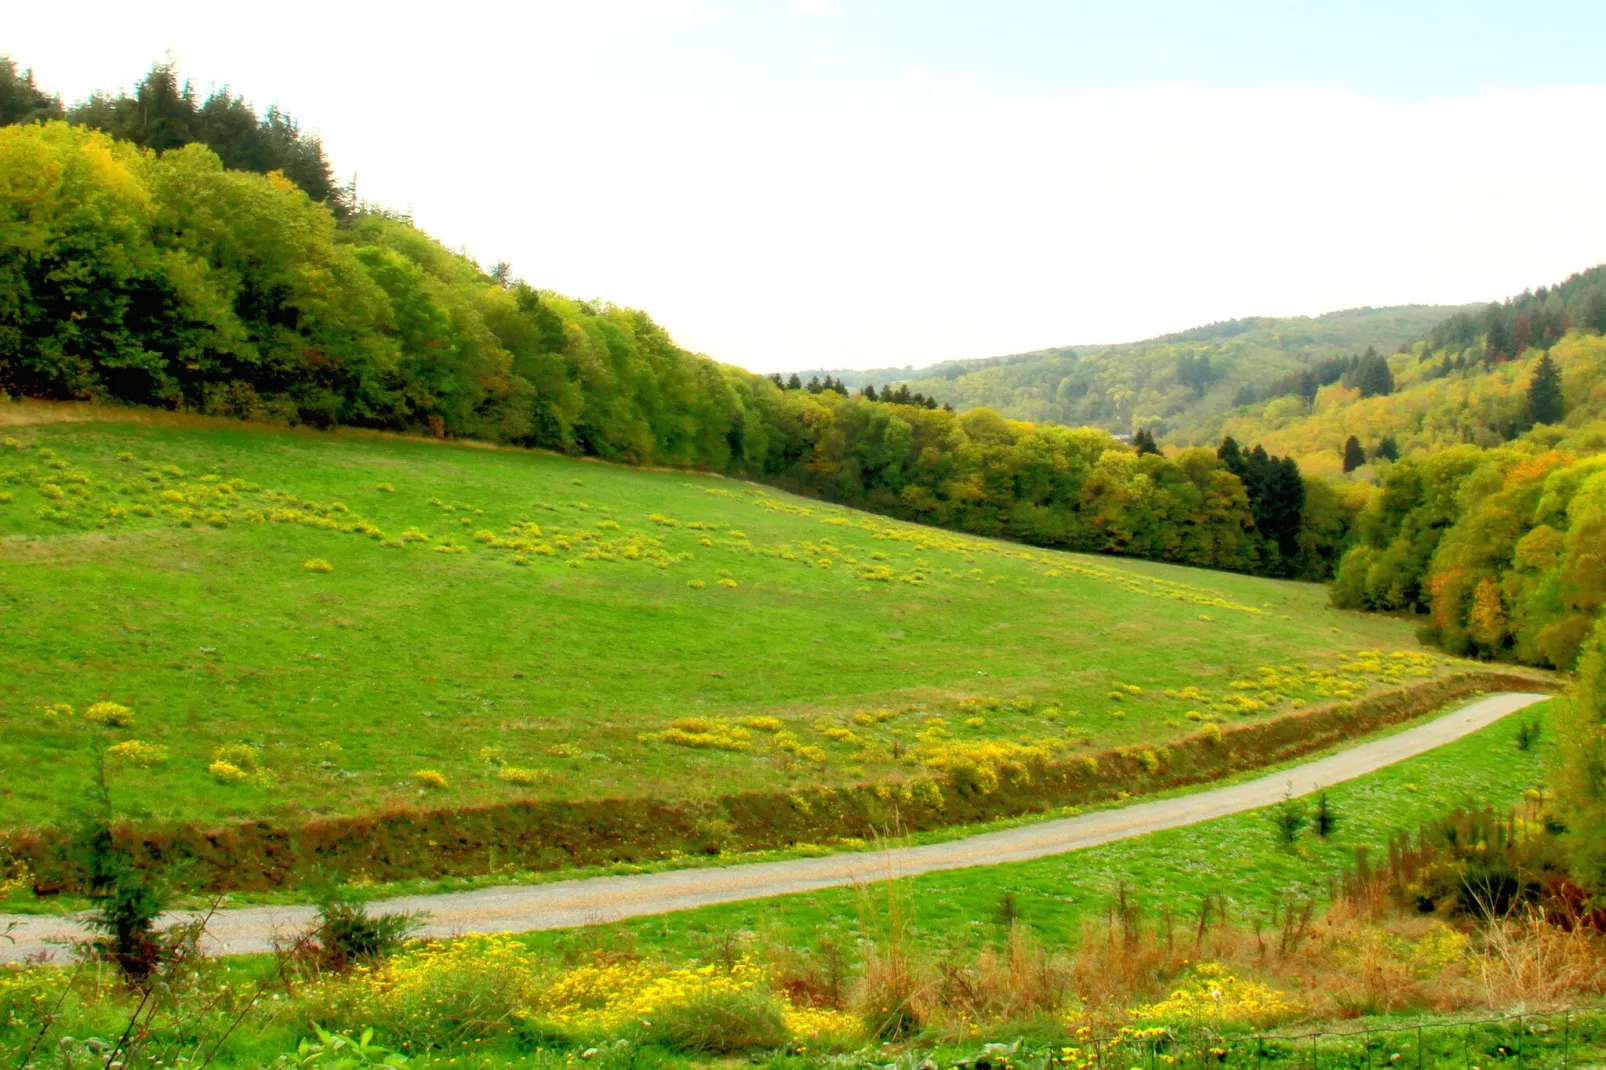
point(565, 904)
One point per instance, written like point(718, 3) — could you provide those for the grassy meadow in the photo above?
point(297, 623)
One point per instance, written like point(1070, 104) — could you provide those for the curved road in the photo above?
point(594, 900)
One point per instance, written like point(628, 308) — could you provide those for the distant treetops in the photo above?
point(901, 396)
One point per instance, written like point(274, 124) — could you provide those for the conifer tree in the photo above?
point(1387, 449)
point(794, 383)
point(1354, 455)
point(1144, 442)
point(21, 101)
point(1545, 402)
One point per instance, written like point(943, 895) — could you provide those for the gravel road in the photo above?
point(594, 900)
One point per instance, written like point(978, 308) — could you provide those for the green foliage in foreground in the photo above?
point(1582, 777)
point(554, 665)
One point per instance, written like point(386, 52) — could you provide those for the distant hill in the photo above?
point(1171, 384)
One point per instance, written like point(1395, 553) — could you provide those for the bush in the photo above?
point(109, 714)
point(138, 753)
point(317, 564)
point(1289, 820)
point(240, 755)
point(347, 935)
point(226, 772)
point(429, 779)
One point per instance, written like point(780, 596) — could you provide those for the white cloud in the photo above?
point(925, 223)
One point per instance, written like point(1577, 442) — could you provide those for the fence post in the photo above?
point(1419, 1047)
point(1566, 1038)
point(1521, 1027)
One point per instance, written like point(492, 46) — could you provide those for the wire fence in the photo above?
point(1556, 1040)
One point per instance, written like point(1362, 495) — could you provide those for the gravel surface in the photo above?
point(563, 904)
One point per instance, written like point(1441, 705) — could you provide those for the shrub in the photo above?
point(347, 935)
point(242, 756)
point(226, 772)
point(138, 753)
point(385, 488)
point(1326, 820)
point(728, 582)
point(109, 714)
point(512, 774)
point(429, 779)
point(763, 724)
point(1289, 819)
point(317, 564)
point(1527, 733)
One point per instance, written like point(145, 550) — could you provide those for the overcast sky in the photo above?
point(792, 183)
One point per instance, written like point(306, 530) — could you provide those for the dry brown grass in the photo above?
point(1341, 963)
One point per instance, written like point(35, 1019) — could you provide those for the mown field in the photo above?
point(303, 623)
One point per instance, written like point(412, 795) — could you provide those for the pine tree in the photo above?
point(794, 383)
point(1354, 455)
point(1387, 449)
point(21, 101)
point(1545, 402)
point(869, 392)
point(1144, 442)
point(1372, 375)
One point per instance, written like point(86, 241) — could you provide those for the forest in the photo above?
point(1172, 386)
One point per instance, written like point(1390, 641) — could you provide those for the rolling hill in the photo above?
point(1171, 383)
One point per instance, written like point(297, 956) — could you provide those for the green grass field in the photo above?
point(531, 625)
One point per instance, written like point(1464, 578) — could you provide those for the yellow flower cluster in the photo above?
point(109, 714)
point(1213, 994)
point(702, 733)
point(978, 767)
point(138, 753)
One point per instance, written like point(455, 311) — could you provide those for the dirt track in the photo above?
point(600, 899)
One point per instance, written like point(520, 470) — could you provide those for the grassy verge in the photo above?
point(1238, 858)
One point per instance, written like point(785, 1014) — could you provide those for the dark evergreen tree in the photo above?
point(1372, 375)
point(869, 392)
point(794, 383)
point(815, 385)
point(1354, 455)
point(1545, 402)
point(1387, 449)
point(1144, 442)
point(21, 101)
point(775, 377)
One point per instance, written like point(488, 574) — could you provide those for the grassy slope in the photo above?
point(406, 658)
point(1237, 857)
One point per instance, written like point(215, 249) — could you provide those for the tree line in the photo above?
point(164, 113)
